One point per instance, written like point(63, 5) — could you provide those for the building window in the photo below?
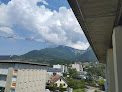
point(12, 90)
point(56, 84)
point(15, 71)
point(64, 84)
point(13, 84)
point(60, 79)
point(14, 81)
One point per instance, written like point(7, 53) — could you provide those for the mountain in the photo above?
point(87, 56)
point(57, 54)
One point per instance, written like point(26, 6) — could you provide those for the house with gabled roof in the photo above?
point(58, 80)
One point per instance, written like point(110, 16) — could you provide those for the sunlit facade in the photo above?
point(22, 77)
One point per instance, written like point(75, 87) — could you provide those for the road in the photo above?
point(92, 89)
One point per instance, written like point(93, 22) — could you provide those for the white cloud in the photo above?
point(44, 2)
point(60, 27)
point(79, 45)
point(6, 30)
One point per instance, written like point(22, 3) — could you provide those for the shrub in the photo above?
point(50, 87)
point(79, 90)
point(101, 84)
point(93, 84)
point(96, 91)
point(63, 89)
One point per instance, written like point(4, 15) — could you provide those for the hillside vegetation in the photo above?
point(58, 54)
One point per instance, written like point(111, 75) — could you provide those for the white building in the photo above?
point(59, 66)
point(58, 71)
point(82, 75)
point(77, 66)
point(16, 76)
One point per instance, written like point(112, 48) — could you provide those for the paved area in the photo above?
point(92, 89)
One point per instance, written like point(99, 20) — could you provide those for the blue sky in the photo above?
point(48, 22)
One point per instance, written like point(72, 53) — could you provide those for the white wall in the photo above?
point(31, 78)
point(78, 67)
point(59, 66)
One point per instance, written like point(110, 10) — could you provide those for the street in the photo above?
point(92, 89)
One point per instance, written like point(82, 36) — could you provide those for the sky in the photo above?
point(38, 24)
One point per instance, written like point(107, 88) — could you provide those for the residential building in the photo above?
point(58, 81)
point(17, 76)
point(62, 67)
point(58, 71)
point(77, 66)
point(82, 74)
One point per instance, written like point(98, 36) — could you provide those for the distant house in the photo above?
point(82, 75)
point(59, 67)
point(77, 66)
point(58, 71)
point(62, 67)
point(58, 80)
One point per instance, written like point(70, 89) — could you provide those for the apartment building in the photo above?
point(77, 66)
point(58, 71)
point(62, 67)
point(17, 76)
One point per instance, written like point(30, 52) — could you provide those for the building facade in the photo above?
point(77, 66)
point(58, 71)
point(22, 76)
point(62, 67)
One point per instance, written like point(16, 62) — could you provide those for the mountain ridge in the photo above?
point(57, 54)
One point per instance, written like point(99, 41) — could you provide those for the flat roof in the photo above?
point(5, 57)
point(22, 62)
point(54, 70)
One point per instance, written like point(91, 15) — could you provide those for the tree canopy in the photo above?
point(73, 72)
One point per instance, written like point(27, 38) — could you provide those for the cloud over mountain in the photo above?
point(60, 27)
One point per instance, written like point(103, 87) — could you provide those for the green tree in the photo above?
point(75, 84)
point(73, 73)
point(64, 74)
point(101, 84)
point(96, 91)
point(89, 78)
point(54, 74)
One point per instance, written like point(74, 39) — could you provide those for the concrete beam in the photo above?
point(110, 71)
point(117, 53)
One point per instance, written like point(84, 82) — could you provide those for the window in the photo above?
point(60, 79)
point(15, 71)
point(16, 67)
point(56, 84)
point(64, 84)
point(12, 90)
point(14, 81)
point(13, 84)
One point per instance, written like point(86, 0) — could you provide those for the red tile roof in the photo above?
point(54, 78)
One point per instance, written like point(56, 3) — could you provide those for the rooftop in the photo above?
point(54, 78)
point(5, 57)
point(54, 70)
point(22, 62)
